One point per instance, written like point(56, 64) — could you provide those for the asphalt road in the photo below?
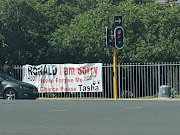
point(39, 117)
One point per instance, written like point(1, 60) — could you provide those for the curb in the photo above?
point(106, 99)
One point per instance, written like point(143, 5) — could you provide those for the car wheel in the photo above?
point(10, 94)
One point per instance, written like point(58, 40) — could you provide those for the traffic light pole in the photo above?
point(115, 72)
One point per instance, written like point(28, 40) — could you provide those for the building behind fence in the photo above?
point(133, 81)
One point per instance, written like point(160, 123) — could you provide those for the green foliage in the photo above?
point(173, 93)
point(142, 1)
point(22, 31)
point(71, 31)
point(127, 94)
point(149, 34)
point(50, 95)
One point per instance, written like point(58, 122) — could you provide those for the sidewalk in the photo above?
point(121, 99)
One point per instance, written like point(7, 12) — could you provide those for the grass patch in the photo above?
point(148, 97)
point(177, 97)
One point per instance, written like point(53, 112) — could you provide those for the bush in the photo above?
point(51, 95)
point(173, 93)
point(127, 94)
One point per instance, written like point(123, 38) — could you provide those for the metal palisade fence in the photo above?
point(133, 81)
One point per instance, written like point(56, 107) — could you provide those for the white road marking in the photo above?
point(133, 108)
point(58, 110)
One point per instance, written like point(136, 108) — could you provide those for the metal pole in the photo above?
point(115, 73)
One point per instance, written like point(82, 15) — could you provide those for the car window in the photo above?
point(6, 77)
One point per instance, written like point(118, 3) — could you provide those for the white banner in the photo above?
point(64, 77)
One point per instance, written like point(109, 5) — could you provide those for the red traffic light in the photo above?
point(119, 32)
point(112, 37)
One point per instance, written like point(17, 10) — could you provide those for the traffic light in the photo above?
point(118, 35)
point(109, 38)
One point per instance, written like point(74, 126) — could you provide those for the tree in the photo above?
point(82, 40)
point(145, 34)
point(151, 33)
point(71, 31)
point(22, 31)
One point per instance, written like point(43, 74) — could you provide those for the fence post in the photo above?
point(159, 75)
